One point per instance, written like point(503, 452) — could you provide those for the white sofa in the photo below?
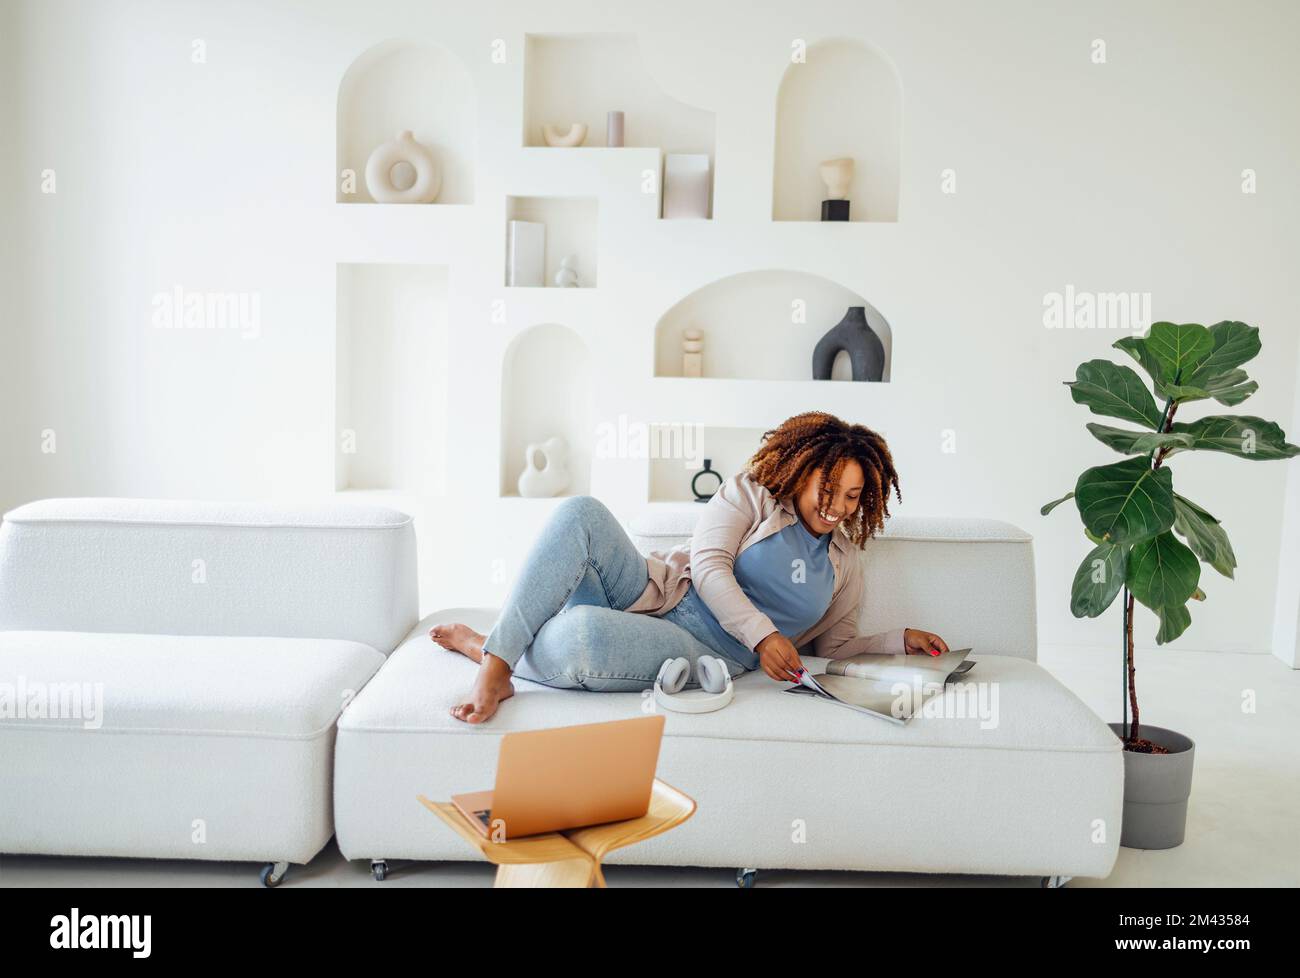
point(221, 642)
point(781, 781)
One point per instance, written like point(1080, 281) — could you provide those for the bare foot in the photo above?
point(459, 638)
point(491, 686)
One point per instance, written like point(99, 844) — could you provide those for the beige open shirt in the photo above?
point(741, 513)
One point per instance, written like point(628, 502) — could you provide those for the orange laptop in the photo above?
point(568, 777)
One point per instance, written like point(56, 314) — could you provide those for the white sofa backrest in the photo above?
point(309, 570)
point(969, 580)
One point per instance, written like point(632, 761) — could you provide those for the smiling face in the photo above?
point(844, 500)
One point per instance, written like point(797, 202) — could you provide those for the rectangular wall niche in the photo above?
point(391, 378)
point(727, 449)
point(570, 232)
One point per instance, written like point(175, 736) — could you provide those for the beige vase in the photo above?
point(403, 149)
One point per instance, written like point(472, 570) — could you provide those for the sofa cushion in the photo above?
point(263, 687)
point(1024, 707)
point(331, 570)
point(969, 580)
point(781, 781)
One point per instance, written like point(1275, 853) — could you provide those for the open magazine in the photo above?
point(869, 682)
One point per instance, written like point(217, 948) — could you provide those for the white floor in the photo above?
point(1243, 824)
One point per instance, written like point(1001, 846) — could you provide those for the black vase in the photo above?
point(852, 334)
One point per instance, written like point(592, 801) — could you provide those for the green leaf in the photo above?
point(1126, 502)
point(1242, 435)
point(1231, 396)
point(1048, 507)
point(1136, 442)
point(1234, 344)
point(1136, 347)
point(1204, 535)
point(1198, 595)
point(1118, 392)
point(1229, 388)
point(1179, 348)
point(1173, 622)
point(1162, 572)
point(1098, 580)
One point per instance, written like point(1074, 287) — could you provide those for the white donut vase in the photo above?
point(557, 136)
point(403, 149)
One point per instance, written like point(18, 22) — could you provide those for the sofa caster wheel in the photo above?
point(1054, 882)
point(379, 870)
point(745, 878)
point(273, 873)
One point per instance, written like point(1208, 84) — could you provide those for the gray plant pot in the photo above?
point(1156, 789)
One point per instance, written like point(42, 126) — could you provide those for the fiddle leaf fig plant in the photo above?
point(1149, 541)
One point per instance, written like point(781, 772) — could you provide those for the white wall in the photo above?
point(12, 202)
point(220, 176)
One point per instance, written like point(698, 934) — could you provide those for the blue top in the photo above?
point(789, 577)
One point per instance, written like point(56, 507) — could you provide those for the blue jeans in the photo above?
point(563, 624)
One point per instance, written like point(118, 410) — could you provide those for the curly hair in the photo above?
point(816, 440)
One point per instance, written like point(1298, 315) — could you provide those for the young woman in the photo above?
point(771, 567)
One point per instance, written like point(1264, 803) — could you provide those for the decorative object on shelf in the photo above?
point(567, 276)
point(692, 353)
point(525, 262)
point(686, 185)
point(708, 470)
point(855, 336)
point(614, 129)
point(837, 175)
point(403, 149)
point(546, 468)
point(561, 136)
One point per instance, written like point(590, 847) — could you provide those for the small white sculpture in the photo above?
point(403, 149)
point(692, 353)
point(837, 175)
point(567, 276)
point(546, 468)
point(559, 136)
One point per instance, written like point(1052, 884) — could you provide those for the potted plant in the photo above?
point(1134, 520)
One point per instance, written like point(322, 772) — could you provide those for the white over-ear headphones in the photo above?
point(711, 673)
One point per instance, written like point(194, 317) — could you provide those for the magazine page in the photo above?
point(906, 668)
point(872, 698)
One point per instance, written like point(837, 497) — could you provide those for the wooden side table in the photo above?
point(571, 858)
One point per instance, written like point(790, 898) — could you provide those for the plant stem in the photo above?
point(1166, 424)
point(1158, 458)
point(1123, 697)
point(1128, 649)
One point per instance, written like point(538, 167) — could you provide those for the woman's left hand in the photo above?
point(917, 642)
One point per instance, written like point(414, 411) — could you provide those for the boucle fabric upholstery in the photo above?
point(1018, 777)
point(310, 570)
point(216, 644)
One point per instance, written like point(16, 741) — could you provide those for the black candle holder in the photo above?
point(707, 470)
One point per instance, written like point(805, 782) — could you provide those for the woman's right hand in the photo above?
point(779, 658)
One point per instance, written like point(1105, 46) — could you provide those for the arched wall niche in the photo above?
point(844, 100)
point(398, 85)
